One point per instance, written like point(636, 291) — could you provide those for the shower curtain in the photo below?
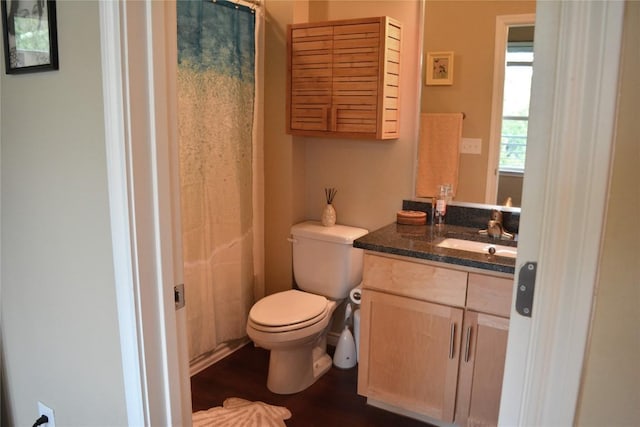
point(216, 87)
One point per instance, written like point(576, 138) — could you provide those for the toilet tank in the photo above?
point(324, 259)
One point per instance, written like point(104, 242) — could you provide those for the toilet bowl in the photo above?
point(297, 340)
point(293, 324)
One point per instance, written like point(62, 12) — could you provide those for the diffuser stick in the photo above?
point(330, 194)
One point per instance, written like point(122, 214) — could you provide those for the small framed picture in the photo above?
point(439, 69)
point(30, 35)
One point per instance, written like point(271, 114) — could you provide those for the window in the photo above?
point(515, 107)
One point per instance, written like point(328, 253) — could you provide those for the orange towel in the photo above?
point(438, 152)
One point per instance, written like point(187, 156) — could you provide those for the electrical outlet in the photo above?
point(45, 410)
point(471, 146)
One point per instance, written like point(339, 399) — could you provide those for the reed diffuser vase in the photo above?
point(329, 212)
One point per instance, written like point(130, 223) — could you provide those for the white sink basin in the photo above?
point(479, 247)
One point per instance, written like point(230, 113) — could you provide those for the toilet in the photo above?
point(293, 324)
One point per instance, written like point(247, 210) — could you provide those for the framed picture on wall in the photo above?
point(439, 68)
point(30, 35)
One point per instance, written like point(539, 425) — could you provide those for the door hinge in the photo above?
point(178, 296)
point(526, 287)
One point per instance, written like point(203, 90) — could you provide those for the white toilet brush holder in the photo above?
point(345, 355)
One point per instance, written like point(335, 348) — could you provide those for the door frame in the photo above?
point(138, 58)
point(503, 23)
point(571, 131)
point(545, 353)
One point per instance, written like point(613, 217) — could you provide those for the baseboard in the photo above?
point(222, 351)
point(407, 413)
point(226, 349)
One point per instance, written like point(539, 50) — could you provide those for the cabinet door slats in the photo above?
point(360, 53)
point(392, 80)
point(354, 43)
point(371, 28)
point(311, 61)
point(314, 31)
point(393, 32)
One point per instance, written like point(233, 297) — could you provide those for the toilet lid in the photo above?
point(288, 308)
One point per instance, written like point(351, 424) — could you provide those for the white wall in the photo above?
point(59, 324)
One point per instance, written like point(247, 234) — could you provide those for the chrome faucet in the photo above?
point(495, 228)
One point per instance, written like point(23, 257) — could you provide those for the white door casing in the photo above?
point(138, 51)
point(572, 115)
point(503, 23)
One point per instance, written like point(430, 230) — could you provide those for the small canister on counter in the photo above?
point(411, 217)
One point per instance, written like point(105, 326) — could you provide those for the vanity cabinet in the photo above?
point(484, 347)
point(342, 78)
point(395, 366)
point(432, 340)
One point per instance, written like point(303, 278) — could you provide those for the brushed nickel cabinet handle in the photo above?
point(467, 345)
point(452, 338)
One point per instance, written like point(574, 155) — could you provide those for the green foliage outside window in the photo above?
point(32, 35)
point(513, 144)
point(515, 109)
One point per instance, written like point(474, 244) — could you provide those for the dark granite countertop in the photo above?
point(420, 241)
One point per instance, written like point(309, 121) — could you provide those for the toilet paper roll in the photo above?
point(356, 294)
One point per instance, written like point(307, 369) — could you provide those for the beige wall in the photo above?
point(283, 160)
point(372, 177)
point(468, 29)
point(611, 382)
point(510, 185)
point(60, 338)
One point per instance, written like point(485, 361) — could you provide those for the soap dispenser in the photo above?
point(441, 205)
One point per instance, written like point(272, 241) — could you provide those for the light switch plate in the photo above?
point(471, 146)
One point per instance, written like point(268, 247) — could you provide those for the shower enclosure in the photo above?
point(216, 85)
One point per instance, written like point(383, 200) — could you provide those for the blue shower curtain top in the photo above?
point(218, 36)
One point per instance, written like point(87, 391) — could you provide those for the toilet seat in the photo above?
point(287, 311)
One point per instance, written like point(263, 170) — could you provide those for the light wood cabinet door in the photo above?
point(310, 77)
point(409, 353)
point(484, 347)
point(343, 78)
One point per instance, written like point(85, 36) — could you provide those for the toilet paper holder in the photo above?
point(355, 295)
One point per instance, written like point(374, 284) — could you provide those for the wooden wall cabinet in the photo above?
point(343, 78)
point(424, 347)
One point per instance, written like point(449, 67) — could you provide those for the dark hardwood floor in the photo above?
point(331, 401)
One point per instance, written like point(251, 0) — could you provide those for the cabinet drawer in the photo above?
point(415, 280)
point(488, 294)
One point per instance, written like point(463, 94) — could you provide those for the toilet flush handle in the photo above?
point(292, 240)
